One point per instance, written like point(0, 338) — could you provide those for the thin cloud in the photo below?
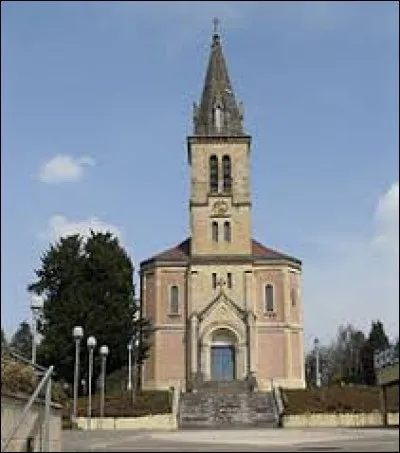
point(59, 226)
point(355, 279)
point(64, 168)
point(387, 220)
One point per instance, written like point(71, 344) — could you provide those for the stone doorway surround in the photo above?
point(223, 355)
point(223, 335)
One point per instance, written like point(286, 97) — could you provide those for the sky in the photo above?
point(96, 105)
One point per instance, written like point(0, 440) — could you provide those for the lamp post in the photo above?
point(36, 306)
point(91, 344)
point(135, 356)
point(103, 354)
point(129, 347)
point(317, 371)
point(77, 333)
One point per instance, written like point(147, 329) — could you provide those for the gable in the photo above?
point(221, 307)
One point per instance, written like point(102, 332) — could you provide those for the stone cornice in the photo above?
point(180, 327)
point(217, 139)
point(259, 264)
point(279, 325)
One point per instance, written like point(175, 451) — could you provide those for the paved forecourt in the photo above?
point(318, 439)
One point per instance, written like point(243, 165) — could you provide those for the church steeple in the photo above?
point(218, 113)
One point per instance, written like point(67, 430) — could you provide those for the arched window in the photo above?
point(174, 300)
point(269, 298)
point(213, 173)
point(227, 232)
point(214, 229)
point(226, 167)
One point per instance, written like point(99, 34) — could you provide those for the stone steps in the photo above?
point(211, 408)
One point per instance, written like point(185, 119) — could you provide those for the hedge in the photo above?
point(338, 400)
point(147, 402)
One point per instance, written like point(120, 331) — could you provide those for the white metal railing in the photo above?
point(45, 381)
point(277, 402)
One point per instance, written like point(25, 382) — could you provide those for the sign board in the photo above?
point(386, 358)
point(386, 364)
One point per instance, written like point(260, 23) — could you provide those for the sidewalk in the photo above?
point(273, 436)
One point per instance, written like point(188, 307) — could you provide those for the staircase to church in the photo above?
point(226, 405)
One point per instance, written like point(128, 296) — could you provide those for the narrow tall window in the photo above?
point(293, 296)
point(214, 281)
point(174, 300)
point(214, 229)
point(218, 118)
point(229, 280)
point(293, 288)
point(227, 177)
point(213, 173)
point(269, 298)
point(227, 232)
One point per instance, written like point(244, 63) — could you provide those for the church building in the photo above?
point(223, 305)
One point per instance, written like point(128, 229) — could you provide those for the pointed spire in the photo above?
point(218, 112)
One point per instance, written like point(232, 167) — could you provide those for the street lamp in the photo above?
point(133, 345)
point(83, 383)
point(135, 356)
point(317, 371)
point(36, 306)
point(91, 344)
point(103, 354)
point(129, 347)
point(77, 333)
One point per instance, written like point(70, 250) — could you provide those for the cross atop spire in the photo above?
point(216, 24)
point(218, 113)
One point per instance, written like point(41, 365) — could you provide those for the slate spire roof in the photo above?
point(218, 113)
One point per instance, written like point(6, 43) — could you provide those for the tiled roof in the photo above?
point(181, 253)
point(262, 252)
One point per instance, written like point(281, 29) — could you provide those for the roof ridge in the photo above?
point(180, 252)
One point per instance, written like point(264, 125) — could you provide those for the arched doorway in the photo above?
point(223, 355)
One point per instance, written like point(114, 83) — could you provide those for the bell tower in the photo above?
point(219, 150)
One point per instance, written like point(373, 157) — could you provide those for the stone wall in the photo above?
point(12, 406)
point(168, 422)
point(338, 420)
point(162, 422)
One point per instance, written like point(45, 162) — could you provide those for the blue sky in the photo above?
point(96, 103)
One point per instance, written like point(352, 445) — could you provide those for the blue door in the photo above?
point(222, 363)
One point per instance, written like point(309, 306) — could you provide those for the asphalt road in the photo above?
point(306, 440)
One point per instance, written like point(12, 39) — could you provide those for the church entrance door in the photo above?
point(222, 363)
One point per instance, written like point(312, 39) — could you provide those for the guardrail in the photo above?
point(388, 357)
point(279, 407)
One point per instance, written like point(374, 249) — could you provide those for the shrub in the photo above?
point(17, 377)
